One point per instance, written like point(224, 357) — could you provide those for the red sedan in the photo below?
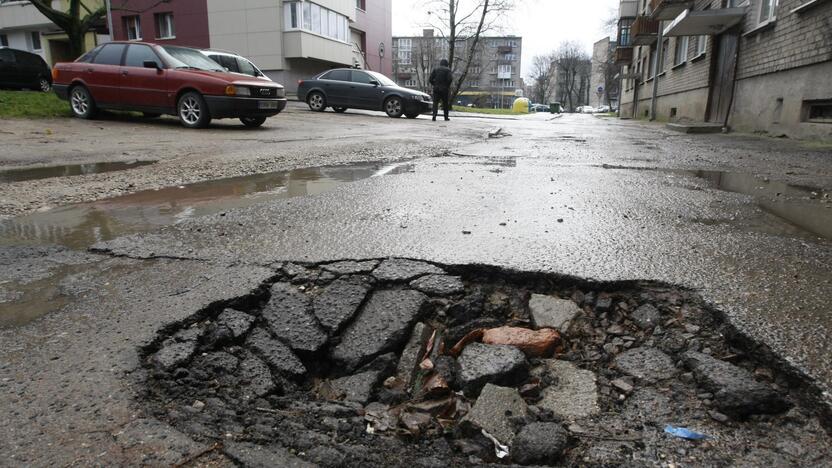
point(157, 80)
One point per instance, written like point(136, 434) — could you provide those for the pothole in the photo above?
point(405, 363)
point(20, 175)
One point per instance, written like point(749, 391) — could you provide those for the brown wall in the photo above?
point(377, 24)
point(190, 18)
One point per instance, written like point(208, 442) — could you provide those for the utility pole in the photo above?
point(110, 20)
point(659, 63)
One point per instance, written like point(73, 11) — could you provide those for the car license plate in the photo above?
point(267, 105)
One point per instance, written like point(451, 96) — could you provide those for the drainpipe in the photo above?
point(733, 85)
point(110, 20)
point(659, 63)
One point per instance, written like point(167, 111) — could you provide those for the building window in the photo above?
point(625, 36)
point(818, 111)
point(651, 66)
point(36, 40)
point(315, 19)
point(361, 4)
point(164, 26)
point(4, 40)
point(504, 71)
point(701, 45)
point(404, 57)
point(133, 26)
point(768, 10)
point(681, 53)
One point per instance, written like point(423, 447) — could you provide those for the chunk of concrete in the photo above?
point(350, 267)
point(289, 316)
point(174, 354)
point(439, 285)
point(574, 396)
point(401, 270)
point(413, 353)
point(539, 443)
point(156, 443)
point(359, 387)
point(383, 325)
point(337, 303)
point(276, 354)
point(646, 316)
point(647, 364)
point(239, 323)
point(255, 378)
point(481, 364)
point(551, 312)
point(735, 390)
point(493, 411)
point(257, 456)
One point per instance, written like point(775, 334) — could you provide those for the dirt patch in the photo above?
point(355, 364)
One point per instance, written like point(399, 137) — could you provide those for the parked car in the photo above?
point(585, 109)
point(540, 108)
point(155, 80)
point(344, 88)
point(21, 69)
point(603, 109)
point(235, 63)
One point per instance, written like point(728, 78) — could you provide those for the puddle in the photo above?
point(19, 175)
point(82, 225)
point(807, 208)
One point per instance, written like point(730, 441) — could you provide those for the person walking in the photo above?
point(441, 79)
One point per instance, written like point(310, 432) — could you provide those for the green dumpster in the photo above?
point(555, 108)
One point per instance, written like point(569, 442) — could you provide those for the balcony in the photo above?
point(302, 44)
point(705, 22)
point(644, 30)
point(504, 49)
point(628, 9)
point(623, 55)
point(668, 9)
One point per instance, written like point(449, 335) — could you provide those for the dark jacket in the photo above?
point(441, 79)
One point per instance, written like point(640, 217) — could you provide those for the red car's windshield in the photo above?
point(183, 57)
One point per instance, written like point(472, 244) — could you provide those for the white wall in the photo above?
point(252, 28)
point(22, 40)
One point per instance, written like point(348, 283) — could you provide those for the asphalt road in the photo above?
point(582, 196)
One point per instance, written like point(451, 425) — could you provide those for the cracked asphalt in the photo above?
point(579, 196)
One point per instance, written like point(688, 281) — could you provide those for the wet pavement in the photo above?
point(81, 225)
point(20, 175)
point(569, 196)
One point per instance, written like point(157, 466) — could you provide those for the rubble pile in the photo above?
point(398, 362)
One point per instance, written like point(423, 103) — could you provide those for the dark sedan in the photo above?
point(21, 69)
point(345, 88)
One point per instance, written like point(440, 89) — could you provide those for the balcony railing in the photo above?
point(644, 30)
point(623, 55)
point(668, 9)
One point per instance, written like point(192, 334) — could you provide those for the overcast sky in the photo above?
point(543, 24)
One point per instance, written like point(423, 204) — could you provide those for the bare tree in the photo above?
point(574, 68)
point(542, 77)
point(461, 23)
point(79, 19)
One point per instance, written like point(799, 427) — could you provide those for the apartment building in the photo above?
point(288, 39)
point(23, 27)
point(493, 78)
point(603, 87)
point(750, 65)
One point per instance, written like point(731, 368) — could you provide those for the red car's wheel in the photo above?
point(193, 110)
point(81, 102)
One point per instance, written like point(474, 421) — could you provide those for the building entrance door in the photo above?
point(722, 76)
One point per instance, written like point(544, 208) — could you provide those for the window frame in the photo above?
point(680, 50)
point(131, 46)
point(137, 26)
point(165, 18)
point(112, 45)
point(34, 36)
point(772, 13)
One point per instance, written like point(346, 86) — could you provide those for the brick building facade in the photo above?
point(753, 65)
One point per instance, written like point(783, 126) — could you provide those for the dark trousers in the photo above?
point(441, 95)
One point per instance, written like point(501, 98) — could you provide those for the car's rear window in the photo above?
point(7, 56)
point(337, 75)
point(110, 54)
